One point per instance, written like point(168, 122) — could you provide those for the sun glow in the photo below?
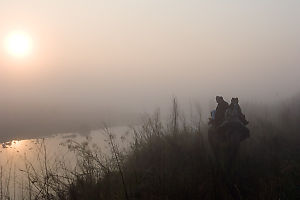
point(18, 44)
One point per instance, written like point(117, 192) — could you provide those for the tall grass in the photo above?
point(173, 160)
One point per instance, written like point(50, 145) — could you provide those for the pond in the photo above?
point(17, 156)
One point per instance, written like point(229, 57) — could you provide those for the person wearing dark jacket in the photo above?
point(234, 106)
point(220, 110)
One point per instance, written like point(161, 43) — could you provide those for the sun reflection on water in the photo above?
point(16, 143)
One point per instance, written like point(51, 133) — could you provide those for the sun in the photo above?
point(18, 44)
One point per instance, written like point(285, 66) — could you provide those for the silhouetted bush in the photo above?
point(174, 161)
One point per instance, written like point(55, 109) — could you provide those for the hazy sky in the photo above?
point(137, 54)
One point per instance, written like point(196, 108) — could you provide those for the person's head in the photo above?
point(235, 100)
point(219, 99)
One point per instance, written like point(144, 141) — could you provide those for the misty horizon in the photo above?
point(91, 59)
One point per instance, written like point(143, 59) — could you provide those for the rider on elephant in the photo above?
point(220, 111)
point(234, 112)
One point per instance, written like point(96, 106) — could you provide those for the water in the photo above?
point(17, 156)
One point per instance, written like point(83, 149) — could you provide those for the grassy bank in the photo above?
point(173, 160)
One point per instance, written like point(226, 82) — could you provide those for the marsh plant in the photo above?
point(172, 159)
